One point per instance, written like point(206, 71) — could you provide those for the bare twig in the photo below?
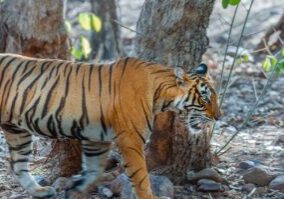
point(251, 111)
point(236, 54)
point(138, 33)
point(254, 89)
point(226, 49)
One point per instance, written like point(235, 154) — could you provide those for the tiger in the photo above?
point(98, 104)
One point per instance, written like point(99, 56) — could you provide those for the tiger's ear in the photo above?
point(201, 69)
point(180, 74)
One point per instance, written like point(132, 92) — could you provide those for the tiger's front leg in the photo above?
point(20, 146)
point(132, 149)
point(94, 158)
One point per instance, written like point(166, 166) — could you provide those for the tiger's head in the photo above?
point(199, 104)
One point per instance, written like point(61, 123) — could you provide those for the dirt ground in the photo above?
point(258, 141)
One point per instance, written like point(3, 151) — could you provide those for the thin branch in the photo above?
point(226, 49)
point(251, 111)
point(117, 22)
point(254, 89)
point(236, 54)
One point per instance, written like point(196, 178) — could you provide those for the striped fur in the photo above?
point(95, 104)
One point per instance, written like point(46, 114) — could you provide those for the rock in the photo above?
point(258, 176)
point(280, 140)
point(40, 180)
point(105, 191)
point(208, 173)
point(206, 185)
point(248, 187)
point(161, 186)
point(61, 183)
point(277, 183)
point(246, 164)
point(122, 187)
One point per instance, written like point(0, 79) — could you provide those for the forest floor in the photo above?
point(260, 141)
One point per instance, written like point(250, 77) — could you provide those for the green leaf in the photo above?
point(239, 61)
point(273, 60)
point(266, 64)
point(282, 52)
point(85, 20)
point(76, 53)
point(225, 3)
point(85, 46)
point(281, 64)
point(96, 23)
point(245, 58)
point(68, 25)
point(234, 2)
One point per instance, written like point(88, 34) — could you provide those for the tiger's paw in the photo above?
point(44, 192)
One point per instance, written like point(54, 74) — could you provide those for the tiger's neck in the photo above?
point(167, 95)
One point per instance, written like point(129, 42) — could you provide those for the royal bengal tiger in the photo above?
point(97, 104)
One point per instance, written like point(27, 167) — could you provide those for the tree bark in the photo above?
point(278, 28)
point(106, 44)
point(174, 33)
point(36, 28)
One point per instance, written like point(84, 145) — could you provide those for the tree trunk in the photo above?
point(277, 29)
point(106, 43)
point(174, 33)
point(36, 28)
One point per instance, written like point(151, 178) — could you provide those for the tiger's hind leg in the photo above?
point(94, 158)
point(20, 146)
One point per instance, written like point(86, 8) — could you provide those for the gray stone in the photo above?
point(208, 173)
point(248, 187)
point(161, 186)
point(122, 187)
point(277, 183)
point(206, 185)
point(246, 164)
point(105, 191)
point(258, 176)
point(61, 183)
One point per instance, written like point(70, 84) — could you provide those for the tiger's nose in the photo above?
point(217, 115)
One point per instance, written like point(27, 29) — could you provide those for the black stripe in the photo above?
point(138, 133)
point(100, 79)
point(138, 152)
point(45, 107)
point(110, 78)
point(95, 153)
point(135, 172)
point(21, 146)
point(124, 67)
point(84, 105)
point(26, 75)
point(91, 69)
point(146, 117)
point(102, 119)
point(5, 68)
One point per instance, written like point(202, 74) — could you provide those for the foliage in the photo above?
point(226, 3)
point(271, 61)
point(88, 22)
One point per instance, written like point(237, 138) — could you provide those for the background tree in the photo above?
point(174, 33)
point(36, 28)
point(106, 43)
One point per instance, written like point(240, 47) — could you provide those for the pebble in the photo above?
point(248, 187)
point(246, 164)
point(277, 183)
point(105, 191)
point(206, 185)
point(161, 186)
point(258, 176)
point(61, 183)
point(208, 173)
